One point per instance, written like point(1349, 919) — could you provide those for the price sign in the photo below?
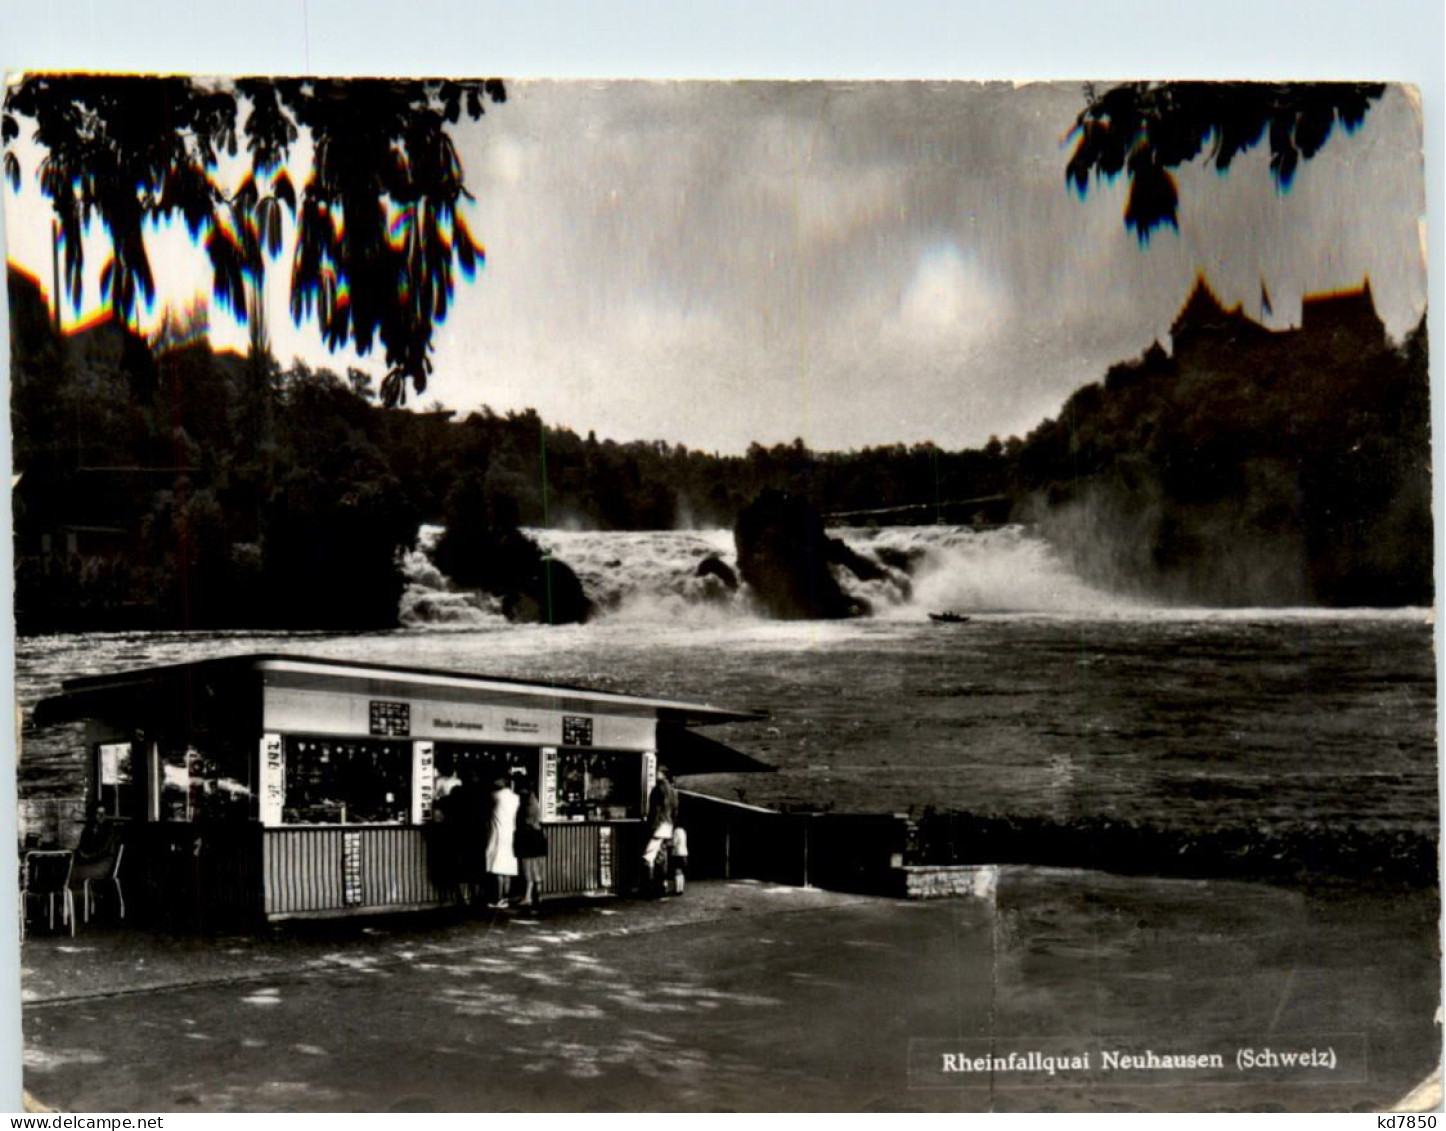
point(549, 783)
point(605, 857)
point(273, 779)
point(424, 777)
point(391, 720)
point(351, 869)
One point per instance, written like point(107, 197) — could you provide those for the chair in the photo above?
point(47, 876)
point(104, 871)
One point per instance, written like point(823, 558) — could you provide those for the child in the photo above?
point(678, 857)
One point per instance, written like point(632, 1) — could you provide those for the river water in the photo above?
point(1055, 706)
point(1054, 701)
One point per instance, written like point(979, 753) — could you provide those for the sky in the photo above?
point(850, 263)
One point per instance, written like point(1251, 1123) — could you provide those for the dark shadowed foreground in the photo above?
point(746, 997)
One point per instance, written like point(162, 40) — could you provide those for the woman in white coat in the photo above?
point(501, 858)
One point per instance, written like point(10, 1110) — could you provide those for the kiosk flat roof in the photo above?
point(330, 672)
point(89, 696)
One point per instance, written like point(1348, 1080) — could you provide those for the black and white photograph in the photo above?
point(624, 595)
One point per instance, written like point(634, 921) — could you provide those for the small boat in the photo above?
point(948, 618)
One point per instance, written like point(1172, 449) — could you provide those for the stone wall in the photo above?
point(940, 881)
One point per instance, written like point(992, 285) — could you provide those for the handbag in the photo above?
point(529, 842)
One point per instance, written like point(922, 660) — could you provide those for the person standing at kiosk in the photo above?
point(531, 847)
point(448, 835)
point(662, 817)
point(501, 856)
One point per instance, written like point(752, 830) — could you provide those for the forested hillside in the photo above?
point(1249, 467)
point(163, 484)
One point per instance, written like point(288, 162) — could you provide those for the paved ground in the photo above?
point(736, 997)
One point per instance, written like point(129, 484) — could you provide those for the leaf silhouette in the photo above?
point(282, 189)
point(1147, 129)
point(128, 151)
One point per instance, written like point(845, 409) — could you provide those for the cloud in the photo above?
point(949, 296)
point(856, 263)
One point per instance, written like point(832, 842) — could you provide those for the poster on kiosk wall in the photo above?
point(423, 781)
point(273, 779)
point(549, 783)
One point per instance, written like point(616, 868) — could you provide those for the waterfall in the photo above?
point(660, 575)
point(429, 598)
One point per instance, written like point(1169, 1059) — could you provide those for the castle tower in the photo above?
point(1204, 323)
point(1343, 319)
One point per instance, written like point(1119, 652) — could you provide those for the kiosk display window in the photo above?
point(206, 780)
point(476, 763)
point(116, 788)
point(337, 781)
point(599, 785)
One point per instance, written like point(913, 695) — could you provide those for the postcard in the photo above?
point(634, 596)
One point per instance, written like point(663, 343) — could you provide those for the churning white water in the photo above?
point(1004, 570)
point(430, 598)
point(651, 574)
point(661, 575)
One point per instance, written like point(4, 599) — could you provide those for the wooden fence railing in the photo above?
point(842, 851)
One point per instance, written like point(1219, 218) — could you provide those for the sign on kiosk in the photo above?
point(273, 779)
point(423, 782)
point(549, 783)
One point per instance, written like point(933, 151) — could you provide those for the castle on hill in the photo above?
point(1340, 322)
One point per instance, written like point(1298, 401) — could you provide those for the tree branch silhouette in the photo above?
point(1146, 129)
point(379, 232)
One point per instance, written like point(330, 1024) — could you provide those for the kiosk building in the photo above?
point(276, 786)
